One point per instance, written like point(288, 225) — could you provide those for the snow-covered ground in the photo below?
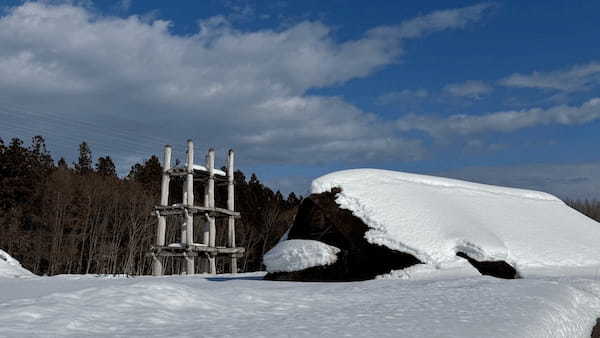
point(421, 301)
point(433, 218)
point(424, 305)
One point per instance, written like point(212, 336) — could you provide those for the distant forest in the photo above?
point(58, 218)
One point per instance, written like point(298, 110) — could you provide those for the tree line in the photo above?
point(58, 218)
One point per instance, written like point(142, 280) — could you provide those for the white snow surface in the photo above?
point(246, 306)
point(200, 167)
point(429, 272)
point(299, 254)
point(203, 168)
point(11, 268)
point(433, 218)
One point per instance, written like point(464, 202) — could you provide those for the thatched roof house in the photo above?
point(373, 221)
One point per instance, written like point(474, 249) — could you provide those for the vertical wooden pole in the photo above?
point(206, 230)
point(157, 268)
point(183, 229)
point(211, 204)
point(189, 183)
point(231, 206)
point(204, 261)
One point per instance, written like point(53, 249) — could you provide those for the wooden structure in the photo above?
point(187, 249)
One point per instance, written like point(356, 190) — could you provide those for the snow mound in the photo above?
point(10, 267)
point(433, 218)
point(299, 254)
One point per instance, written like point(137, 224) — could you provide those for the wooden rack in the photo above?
point(187, 249)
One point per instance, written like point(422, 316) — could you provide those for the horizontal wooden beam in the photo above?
point(194, 249)
point(166, 210)
point(199, 175)
point(189, 254)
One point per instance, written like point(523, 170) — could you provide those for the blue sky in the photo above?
point(499, 92)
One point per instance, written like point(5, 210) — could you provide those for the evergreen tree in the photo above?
point(106, 167)
point(84, 162)
point(40, 153)
point(62, 163)
point(279, 197)
point(17, 174)
point(293, 200)
point(148, 174)
point(254, 180)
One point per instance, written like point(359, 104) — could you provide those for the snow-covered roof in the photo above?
point(10, 267)
point(433, 218)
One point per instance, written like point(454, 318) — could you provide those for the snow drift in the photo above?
point(10, 267)
point(435, 218)
point(297, 254)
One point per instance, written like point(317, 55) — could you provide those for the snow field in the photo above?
point(245, 306)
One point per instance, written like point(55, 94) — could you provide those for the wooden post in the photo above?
point(189, 183)
point(231, 206)
point(204, 261)
point(206, 229)
point(183, 228)
point(211, 204)
point(157, 268)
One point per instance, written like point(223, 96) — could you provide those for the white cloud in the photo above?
point(469, 89)
point(576, 78)
point(439, 20)
point(132, 79)
point(505, 121)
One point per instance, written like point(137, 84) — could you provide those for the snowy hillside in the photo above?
point(246, 306)
point(434, 218)
point(11, 268)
